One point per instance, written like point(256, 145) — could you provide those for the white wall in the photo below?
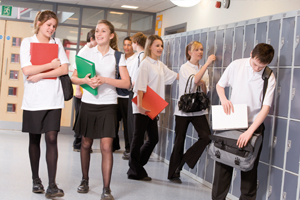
point(205, 14)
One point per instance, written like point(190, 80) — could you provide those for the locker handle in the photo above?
point(293, 93)
point(289, 145)
point(270, 191)
point(274, 141)
point(297, 41)
point(282, 42)
point(257, 184)
point(245, 46)
point(284, 196)
point(6, 65)
point(279, 91)
point(234, 47)
point(269, 41)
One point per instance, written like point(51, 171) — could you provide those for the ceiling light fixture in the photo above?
point(131, 7)
point(117, 13)
point(185, 3)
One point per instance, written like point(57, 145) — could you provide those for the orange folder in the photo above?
point(43, 53)
point(153, 102)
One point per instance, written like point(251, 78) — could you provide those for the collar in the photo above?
point(192, 65)
point(251, 69)
point(52, 41)
point(131, 57)
point(151, 60)
point(110, 51)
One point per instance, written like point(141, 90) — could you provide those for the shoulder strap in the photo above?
point(265, 76)
point(139, 58)
point(117, 57)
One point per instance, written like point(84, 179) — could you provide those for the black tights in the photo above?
point(51, 154)
point(107, 158)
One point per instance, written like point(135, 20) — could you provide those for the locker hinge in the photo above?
point(274, 141)
point(269, 191)
point(297, 41)
point(257, 184)
point(284, 196)
point(289, 145)
point(293, 93)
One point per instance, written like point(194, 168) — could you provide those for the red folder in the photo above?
point(43, 53)
point(153, 102)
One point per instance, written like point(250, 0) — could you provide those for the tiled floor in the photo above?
point(15, 174)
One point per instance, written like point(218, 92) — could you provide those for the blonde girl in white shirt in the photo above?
point(194, 53)
point(43, 100)
point(97, 116)
point(156, 75)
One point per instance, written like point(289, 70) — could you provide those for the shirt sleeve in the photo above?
point(25, 56)
point(142, 78)
point(227, 77)
point(270, 91)
point(61, 53)
point(122, 61)
point(169, 75)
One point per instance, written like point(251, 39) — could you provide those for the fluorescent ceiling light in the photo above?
point(131, 7)
point(70, 18)
point(185, 3)
point(117, 13)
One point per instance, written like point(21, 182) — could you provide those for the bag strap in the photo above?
point(139, 58)
point(265, 76)
point(117, 57)
point(192, 75)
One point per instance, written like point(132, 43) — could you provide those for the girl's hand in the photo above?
point(55, 63)
point(202, 84)
point(78, 92)
point(101, 80)
point(143, 110)
point(210, 59)
point(35, 78)
point(90, 81)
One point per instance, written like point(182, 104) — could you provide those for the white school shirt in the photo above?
point(156, 75)
point(185, 71)
point(45, 94)
point(104, 66)
point(134, 68)
point(129, 63)
point(247, 86)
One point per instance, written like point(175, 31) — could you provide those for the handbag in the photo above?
point(193, 102)
point(120, 91)
point(223, 147)
point(67, 87)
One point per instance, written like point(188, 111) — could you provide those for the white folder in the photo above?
point(236, 120)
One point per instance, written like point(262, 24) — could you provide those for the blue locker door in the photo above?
point(267, 144)
point(274, 189)
point(238, 42)
point(293, 151)
point(261, 33)
point(173, 104)
point(290, 187)
point(170, 144)
point(219, 48)
point(249, 40)
point(297, 50)
point(203, 41)
point(166, 115)
point(273, 39)
point(283, 83)
point(211, 43)
point(201, 165)
point(271, 112)
point(176, 52)
point(236, 185)
point(189, 39)
point(163, 142)
point(171, 54)
point(174, 93)
point(228, 47)
point(287, 40)
point(165, 52)
point(197, 37)
point(262, 181)
point(182, 50)
point(279, 141)
point(295, 106)
point(216, 78)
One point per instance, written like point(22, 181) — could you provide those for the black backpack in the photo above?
point(120, 91)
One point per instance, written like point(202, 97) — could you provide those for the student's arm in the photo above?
point(124, 82)
point(245, 137)
point(227, 105)
point(200, 74)
point(78, 92)
point(140, 95)
point(86, 80)
point(35, 69)
point(62, 70)
point(202, 84)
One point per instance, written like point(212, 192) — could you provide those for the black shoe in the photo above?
point(106, 194)
point(83, 187)
point(76, 149)
point(54, 191)
point(37, 186)
point(147, 178)
point(126, 155)
point(176, 180)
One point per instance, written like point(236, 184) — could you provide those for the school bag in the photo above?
point(223, 147)
point(120, 91)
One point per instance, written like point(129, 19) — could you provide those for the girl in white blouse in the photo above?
point(97, 116)
point(43, 100)
point(194, 53)
point(156, 75)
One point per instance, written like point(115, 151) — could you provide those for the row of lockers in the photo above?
point(281, 151)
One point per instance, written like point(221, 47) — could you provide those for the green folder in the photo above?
point(85, 67)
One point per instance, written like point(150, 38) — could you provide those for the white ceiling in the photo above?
point(153, 6)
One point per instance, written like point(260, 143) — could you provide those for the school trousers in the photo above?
point(122, 114)
point(140, 151)
point(223, 175)
point(193, 154)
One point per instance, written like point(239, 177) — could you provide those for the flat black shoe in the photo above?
point(83, 187)
point(147, 178)
point(176, 180)
point(106, 194)
point(54, 191)
point(37, 186)
point(126, 155)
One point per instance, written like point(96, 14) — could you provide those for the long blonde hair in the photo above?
point(114, 41)
point(191, 47)
point(43, 17)
point(149, 42)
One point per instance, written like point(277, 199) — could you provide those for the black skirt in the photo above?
point(96, 121)
point(41, 121)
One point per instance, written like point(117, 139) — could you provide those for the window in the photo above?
point(15, 58)
point(68, 36)
point(118, 18)
point(13, 74)
point(12, 91)
point(11, 107)
point(141, 22)
point(91, 16)
point(68, 15)
point(16, 42)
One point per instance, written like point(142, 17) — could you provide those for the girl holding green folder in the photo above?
point(97, 116)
